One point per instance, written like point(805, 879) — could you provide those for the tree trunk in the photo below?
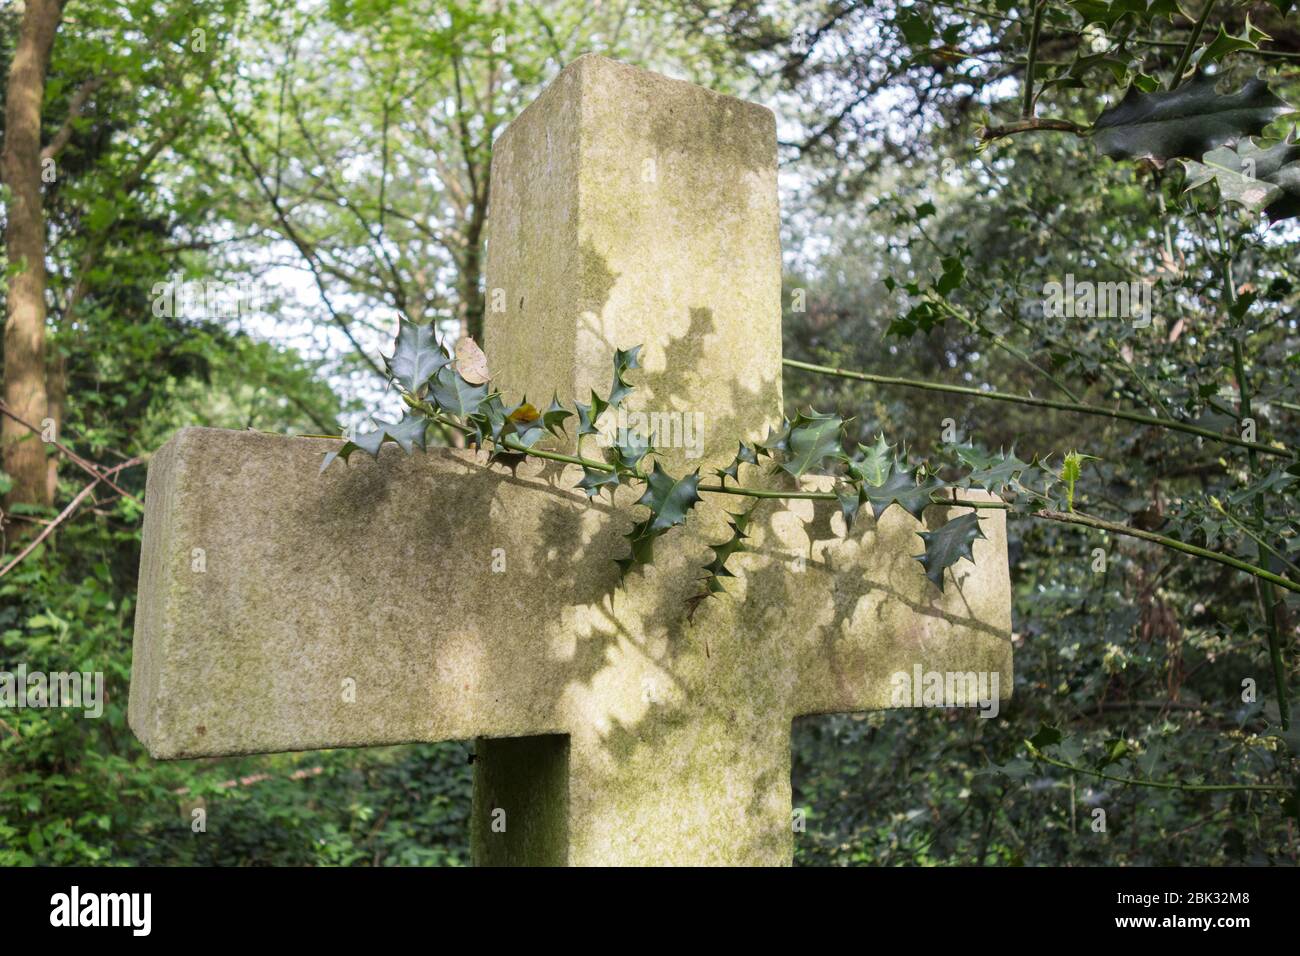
point(56, 389)
point(24, 342)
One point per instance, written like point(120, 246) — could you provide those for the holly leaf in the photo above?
point(717, 569)
point(554, 416)
point(628, 450)
point(417, 356)
point(594, 481)
point(1071, 472)
point(1110, 12)
point(642, 543)
point(1185, 122)
point(954, 274)
point(745, 455)
point(488, 420)
point(589, 414)
point(1225, 43)
point(873, 463)
point(851, 498)
point(1046, 737)
point(949, 544)
point(452, 394)
point(523, 423)
point(625, 360)
point(996, 473)
point(409, 434)
point(813, 438)
point(1267, 179)
point(777, 440)
point(901, 489)
point(669, 498)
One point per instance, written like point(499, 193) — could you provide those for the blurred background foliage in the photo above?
point(335, 154)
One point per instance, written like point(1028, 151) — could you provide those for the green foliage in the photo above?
point(417, 358)
point(946, 546)
point(1254, 177)
point(1185, 122)
point(1133, 671)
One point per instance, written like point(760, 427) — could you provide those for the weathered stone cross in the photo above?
point(434, 597)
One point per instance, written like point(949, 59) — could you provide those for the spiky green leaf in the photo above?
point(1254, 177)
point(668, 498)
point(1185, 122)
point(813, 438)
point(451, 393)
point(949, 544)
point(417, 356)
point(901, 489)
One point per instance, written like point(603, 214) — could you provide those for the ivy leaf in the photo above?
point(813, 438)
point(625, 360)
point(1267, 179)
point(1185, 122)
point(554, 416)
point(451, 393)
point(669, 498)
point(901, 489)
point(417, 356)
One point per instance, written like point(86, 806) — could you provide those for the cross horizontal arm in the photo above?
point(388, 602)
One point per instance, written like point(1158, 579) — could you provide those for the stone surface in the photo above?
point(610, 729)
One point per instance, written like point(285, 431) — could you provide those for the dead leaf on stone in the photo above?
point(471, 362)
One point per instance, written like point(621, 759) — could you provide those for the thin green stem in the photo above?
point(1027, 102)
point(1267, 596)
point(1047, 514)
point(1259, 541)
point(1080, 407)
point(1176, 80)
point(976, 326)
point(1158, 784)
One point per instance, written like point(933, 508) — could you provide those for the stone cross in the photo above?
point(436, 597)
